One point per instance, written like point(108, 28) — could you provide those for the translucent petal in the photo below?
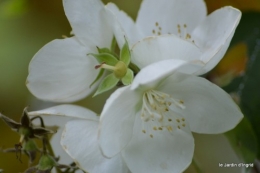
point(162, 17)
point(154, 49)
point(117, 120)
point(90, 22)
point(163, 152)
point(62, 72)
point(214, 34)
point(80, 141)
point(208, 108)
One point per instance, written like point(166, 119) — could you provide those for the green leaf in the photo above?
point(107, 58)
point(243, 140)
point(128, 78)
point(246, 87)
point(100, 74)
point(108, 83)
point(125, 55)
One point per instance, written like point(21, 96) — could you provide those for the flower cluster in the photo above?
point(146, 124)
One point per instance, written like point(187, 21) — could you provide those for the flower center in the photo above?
point(182, 32)
point(181, 29)
point(160, 112)
point(119, 69)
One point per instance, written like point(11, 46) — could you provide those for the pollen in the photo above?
point(156, 24)
point(169, 128)
point(163, 111)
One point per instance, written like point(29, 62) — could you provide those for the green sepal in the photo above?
point(46, 162)
point(100, 74)
point(128, 78)
point(125, 55)
point(107, 83)
point(244, 141)
point(106, 58)
point(106, 50)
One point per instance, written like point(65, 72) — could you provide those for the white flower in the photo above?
point(61, 71)
point(151, 121)
point(79, 138)
point(184, 18)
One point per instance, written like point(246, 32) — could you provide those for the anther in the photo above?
point(169, 128)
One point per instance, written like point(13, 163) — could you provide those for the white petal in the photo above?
point(89, 22)
point(168, 14)
point(58, 116)
point(164, 152)
point(66, 110)
point(152, 75)
point(117, 120)
point(126, 26)
point(154, 49)
point(214, 34)
point(80, 141)
point(212, 150)
point(62, 72)
point(208, 108)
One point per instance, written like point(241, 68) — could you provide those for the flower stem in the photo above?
point(46, 143)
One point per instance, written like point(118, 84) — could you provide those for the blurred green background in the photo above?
point(27, 25)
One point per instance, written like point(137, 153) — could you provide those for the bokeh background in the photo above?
point(27, 25)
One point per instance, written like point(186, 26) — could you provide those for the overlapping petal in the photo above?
point(147, 78)
point(58, 116)
point(80, 141)
point(208, 108)
point(61, 71)
point(214, 34)
point(165, 152)
point(162, 17)
point(117, 120)
point(124, 26)
point(154, 49)
point(89, 22)
point(66, 110)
